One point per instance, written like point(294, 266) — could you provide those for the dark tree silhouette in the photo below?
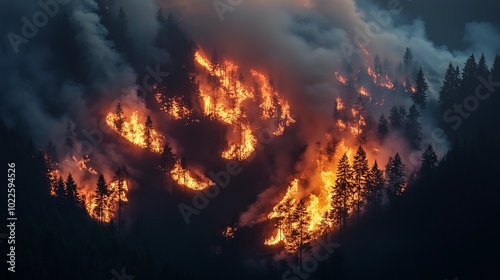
point(60, 190)
point(119, 118)
point(101, 198)
point(429, 162)
point(495, 69)
point(449, 89)
point(408, 64)
point(375, 186)
point(342, 192)
point(331, 147)
point(302, 238)
point(148, 128)
point(397, 116)
point(360, 168)
point(482, 67)
point(395, 177)
point(419, 97)
point(72, 195)
point(382, 128)
point(469, 76)
point(167, 159)
point(412, 128)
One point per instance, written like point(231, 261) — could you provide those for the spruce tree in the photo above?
point(148, 129)
point(382, 128)
point(429, 162)
point(482, 67)
point(395, 177)
point(101, 199)
point(60, 190)
point(412, 128)
point(72, 195)
point(495, 69)
point(342, 191)
point(375, 186)
point(449, 89)
point(469, 76)
point(119, 118)
point(360, 168)
point(419, 97)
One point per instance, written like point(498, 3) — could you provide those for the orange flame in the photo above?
point(134, 132)
point(188, 178)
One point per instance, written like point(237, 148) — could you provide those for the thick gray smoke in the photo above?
point(304, 42)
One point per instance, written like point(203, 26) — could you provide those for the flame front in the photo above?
point(225, 97)
point(134, 132)
point(190, 179)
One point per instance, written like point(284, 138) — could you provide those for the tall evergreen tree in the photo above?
point(361, 170)
point(482, 67)
point(375, 186)
point(419, 97)
point(408, 63)
point(301, 223)
point(60, 190)
point(382, 128)
point(495, 69)
point(469, 76)
point(412, 128)
point(395, 177)
point(119, 118)
point(72, 195)
point(397, 116)
point(167, 159)
point(449, 89)
point(429, 162)
point(148, 130)
point(101, 199)
point(342, 192)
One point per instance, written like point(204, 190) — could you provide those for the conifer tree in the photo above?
point(360, 168)
point(382, 128)
point(419, 97)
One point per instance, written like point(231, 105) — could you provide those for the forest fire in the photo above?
point(104, 209)
point(137, 133)
point(173, 106)
point(188, 178)
point(224, 95)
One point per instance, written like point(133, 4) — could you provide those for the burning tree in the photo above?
point(300, 237)
point(119, 118)
point(148, 128)
point(102, 210)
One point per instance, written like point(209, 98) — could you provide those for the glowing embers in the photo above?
point(224, 96)
point(273, 105)
point(138, 133)
point(312, 213)
point(174, 106)
point(192, 179)
point(242, 143)
point(104, 209)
